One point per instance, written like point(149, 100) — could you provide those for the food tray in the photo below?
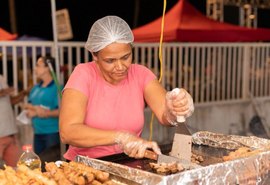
point(122, 173)
point(249, 170)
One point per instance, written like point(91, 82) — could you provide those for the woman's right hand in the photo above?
point(134, 146)
point(30, 109)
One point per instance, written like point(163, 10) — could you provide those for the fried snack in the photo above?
point(73, 174)
point(25, 179)
point(11, 176)
point(109, 182)
point(196, 158)
point(95, 182)
point(3, 180)
point(56, 173)
point(36, 175)
point(240, 153)
point(166, 168)
point(97, 174)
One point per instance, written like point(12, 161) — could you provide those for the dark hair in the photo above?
point(49, 59)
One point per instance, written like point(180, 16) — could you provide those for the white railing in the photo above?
point(211, 72)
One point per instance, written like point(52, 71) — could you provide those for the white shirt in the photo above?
point(7, 117)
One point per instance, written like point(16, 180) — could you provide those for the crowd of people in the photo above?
point(101, 111)
point(42, 108)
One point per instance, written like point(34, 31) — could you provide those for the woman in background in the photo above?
point(43, 106)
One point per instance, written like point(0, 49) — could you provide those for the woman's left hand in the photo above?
point(134, 146)
point(41, 112)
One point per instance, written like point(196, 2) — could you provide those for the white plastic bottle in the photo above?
point(180, 119)
point(29, 158)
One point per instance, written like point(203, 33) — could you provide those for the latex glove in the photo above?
point(134, 146)
point(179, 105)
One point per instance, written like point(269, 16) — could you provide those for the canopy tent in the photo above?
point(184, 23)
point(29, 50)
point(4, 35)
point(30, 38)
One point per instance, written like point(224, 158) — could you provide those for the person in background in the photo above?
point(10, 149)
point(102, 107)
point(43, 106)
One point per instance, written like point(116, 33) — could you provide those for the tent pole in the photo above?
point(12, 14)
point(57, 63)
point(55, 40)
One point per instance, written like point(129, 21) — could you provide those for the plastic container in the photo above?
point(180, 119)
point(29, 158)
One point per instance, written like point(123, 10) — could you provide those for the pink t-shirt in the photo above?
point(110, 107)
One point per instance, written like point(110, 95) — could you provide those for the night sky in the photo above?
point(34, 16)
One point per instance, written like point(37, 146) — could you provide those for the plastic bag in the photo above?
point(23, 118)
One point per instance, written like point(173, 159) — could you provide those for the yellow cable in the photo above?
point(161, 40)
point(160, 60)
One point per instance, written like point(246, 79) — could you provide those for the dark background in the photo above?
point(34, 16)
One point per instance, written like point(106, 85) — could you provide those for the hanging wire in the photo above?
point(161, 61)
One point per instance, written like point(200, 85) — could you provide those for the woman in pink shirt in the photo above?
point(102, 110)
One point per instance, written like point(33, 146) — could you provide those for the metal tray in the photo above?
point(250, 170)
point(122, 173)
point(211, 156)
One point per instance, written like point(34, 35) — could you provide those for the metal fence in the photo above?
point(211, 72)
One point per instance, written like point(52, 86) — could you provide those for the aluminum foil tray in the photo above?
point(250, 170)
point(122, 173)
point(230, 142)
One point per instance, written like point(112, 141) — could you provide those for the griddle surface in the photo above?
point(210, 155)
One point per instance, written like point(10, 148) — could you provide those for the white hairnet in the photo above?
point(107, 30)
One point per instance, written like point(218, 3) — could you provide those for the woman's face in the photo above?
point(41, 69)
point(114, 61)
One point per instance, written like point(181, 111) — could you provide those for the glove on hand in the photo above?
point(179, 104)
point(134, 146)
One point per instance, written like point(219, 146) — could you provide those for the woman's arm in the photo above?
point(73, 131)
point(14, 99)
point(154, 95)
point(7, 91)
point(19, 97)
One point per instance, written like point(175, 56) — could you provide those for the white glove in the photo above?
point(179, 105)
point(134, 146)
